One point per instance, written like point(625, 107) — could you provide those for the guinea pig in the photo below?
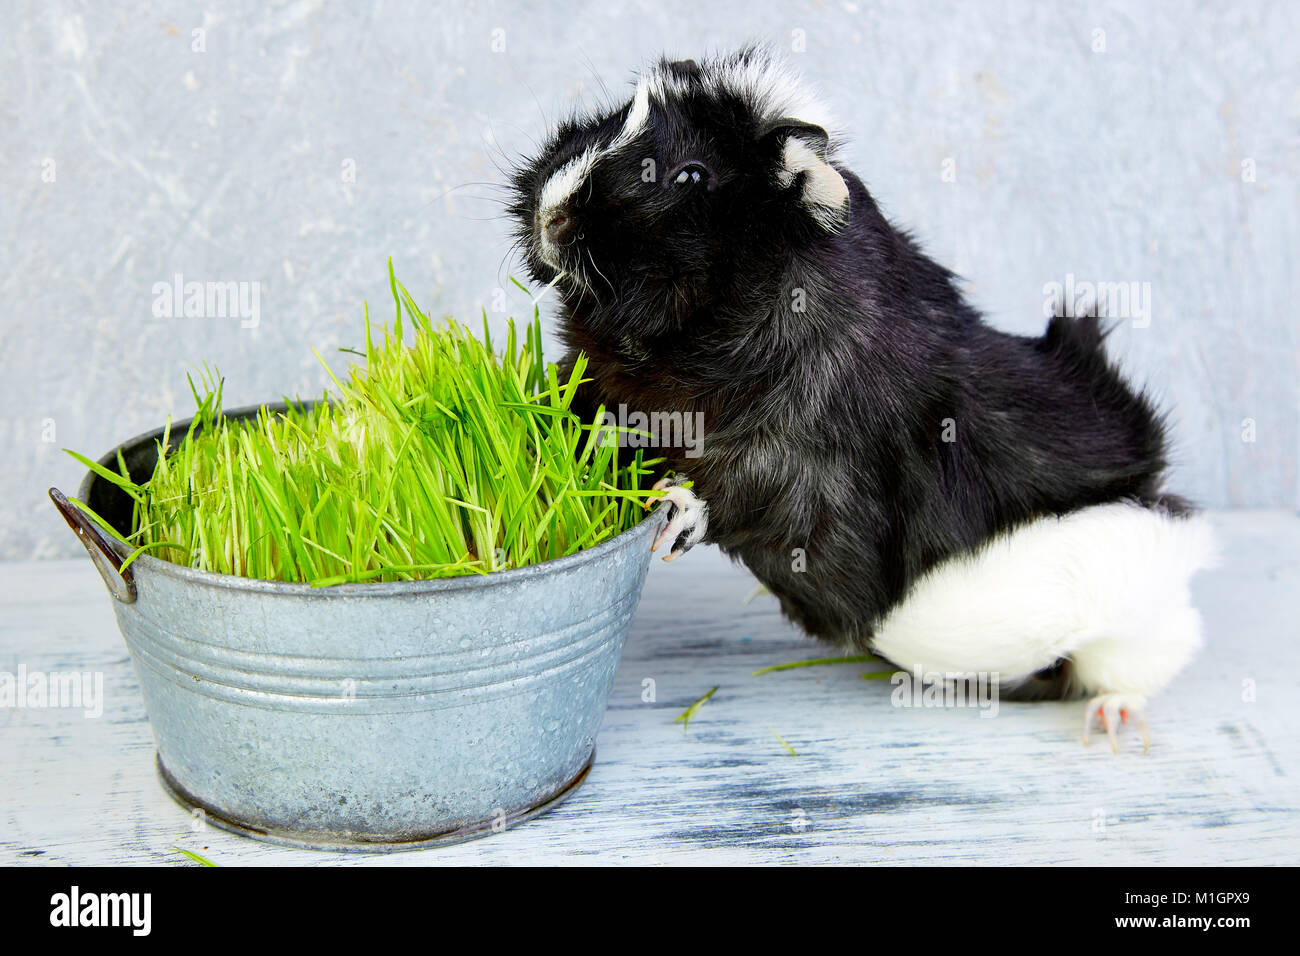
point(905, 479)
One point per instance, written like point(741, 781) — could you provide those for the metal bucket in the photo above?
point(370, 717)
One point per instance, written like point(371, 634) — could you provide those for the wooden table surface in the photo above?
point(871, 782)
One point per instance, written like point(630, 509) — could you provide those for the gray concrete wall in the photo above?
point(297, 145)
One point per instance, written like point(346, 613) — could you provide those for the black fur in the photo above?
point(824, 427)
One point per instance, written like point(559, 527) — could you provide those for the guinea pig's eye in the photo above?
point(692, 173)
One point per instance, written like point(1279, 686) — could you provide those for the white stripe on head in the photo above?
point(637, 117)
point(761, 80)
point(566, 180)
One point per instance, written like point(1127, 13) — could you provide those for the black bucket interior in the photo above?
point(141, 454)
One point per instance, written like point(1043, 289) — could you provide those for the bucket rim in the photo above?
point(146, 565)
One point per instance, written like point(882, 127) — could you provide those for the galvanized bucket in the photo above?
point(369, 717)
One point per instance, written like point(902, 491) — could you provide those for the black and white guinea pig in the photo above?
point(905, 479)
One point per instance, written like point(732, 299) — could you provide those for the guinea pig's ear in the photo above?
point(805, 163)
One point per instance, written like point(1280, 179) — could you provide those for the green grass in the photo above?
point(437, 457)
point(202, 861)
point(790, 750)
point(818, 662)
point(691, 711)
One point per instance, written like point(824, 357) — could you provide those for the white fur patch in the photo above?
point(773, 89)
point(691, 515)
point(824, 192)
point(637, 117)
point(564, 182)
point(774, 92)
point(665, 86)
point(761, 80)
point(1106, 586)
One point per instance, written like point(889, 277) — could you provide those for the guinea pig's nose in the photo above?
point(560, 226)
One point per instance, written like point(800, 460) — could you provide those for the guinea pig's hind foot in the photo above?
point(688, 517)
point(1113, 710)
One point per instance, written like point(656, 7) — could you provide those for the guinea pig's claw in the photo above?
point(659, 485)
point(688, 519)
point(1112, 710)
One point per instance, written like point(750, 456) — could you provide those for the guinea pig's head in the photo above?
point(688, 195)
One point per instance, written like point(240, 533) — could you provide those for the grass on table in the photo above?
point(691, 711)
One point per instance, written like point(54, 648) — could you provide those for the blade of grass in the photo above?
point(690, 712)
point(204, 861)
point(790, 749)
point(818, 662)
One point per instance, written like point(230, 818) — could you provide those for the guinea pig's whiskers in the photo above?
point(444, 195)
point(601, 274)
point(519, 246)
point(524, 83)
point(604, 90)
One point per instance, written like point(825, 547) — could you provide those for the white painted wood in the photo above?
point(871, 783)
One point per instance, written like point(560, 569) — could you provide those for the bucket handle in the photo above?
point(121, 583)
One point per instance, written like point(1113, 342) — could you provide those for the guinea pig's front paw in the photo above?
point(688, 517)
